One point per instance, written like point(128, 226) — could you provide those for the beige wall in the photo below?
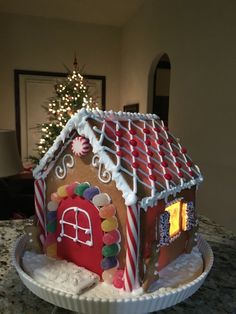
point(198, 36)
point(32, 43)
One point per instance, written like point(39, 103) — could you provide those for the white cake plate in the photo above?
point(133, 304)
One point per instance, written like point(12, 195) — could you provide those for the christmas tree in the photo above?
point(71, 96)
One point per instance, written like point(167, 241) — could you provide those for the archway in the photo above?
point(159, 79)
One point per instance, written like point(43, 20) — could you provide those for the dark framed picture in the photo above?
point(131, 108)
point(33, 89)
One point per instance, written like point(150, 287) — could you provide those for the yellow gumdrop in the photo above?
point(61, 191)
point(109, 224)
point(52, 250)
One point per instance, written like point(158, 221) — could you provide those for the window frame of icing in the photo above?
point(76, 226)
point(186, 217)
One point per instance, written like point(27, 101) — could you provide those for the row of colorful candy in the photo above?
point(111, 238)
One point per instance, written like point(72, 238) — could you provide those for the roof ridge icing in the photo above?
point(79, 123)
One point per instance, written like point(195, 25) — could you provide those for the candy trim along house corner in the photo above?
point(130, 167)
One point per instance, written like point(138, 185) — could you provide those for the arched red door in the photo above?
point(79, 233)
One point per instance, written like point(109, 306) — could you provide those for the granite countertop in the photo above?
point(216, 296)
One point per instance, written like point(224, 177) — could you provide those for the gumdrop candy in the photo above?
point(110, 250)
point(61, 191)
point(70, 189)
point(111, 237)
point(52, 206)
point(101, 199)
point(109, 262)
point(55, 197)
point(51, 227)
point(107, 211)
point(90, 193)
point(118, 280)
point(80, 188)
point(51, 250)
point(50, 239)
point(51, 216)
point(108, 275)
point(109, 224)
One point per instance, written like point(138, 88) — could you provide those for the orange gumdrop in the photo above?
point(107, 211)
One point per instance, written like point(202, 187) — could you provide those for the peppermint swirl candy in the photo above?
point(80, 146)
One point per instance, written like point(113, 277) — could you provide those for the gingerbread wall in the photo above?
point(83, 171)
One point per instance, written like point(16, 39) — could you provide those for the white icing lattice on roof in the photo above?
point(134, 147)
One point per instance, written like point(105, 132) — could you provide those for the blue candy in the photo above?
point(90, 193)
point(109, 262)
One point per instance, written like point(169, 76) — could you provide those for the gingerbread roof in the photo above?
point(144, 159)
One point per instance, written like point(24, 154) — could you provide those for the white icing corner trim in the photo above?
point(61, 170)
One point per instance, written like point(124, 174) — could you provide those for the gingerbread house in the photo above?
point(116, 194)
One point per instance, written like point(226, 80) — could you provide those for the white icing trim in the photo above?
point(103, 175)
point(76, 226)
point(61, 170)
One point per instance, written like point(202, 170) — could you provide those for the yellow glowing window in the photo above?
point(184, 216)
point(175, 218)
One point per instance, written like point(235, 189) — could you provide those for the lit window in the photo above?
point(175, 218)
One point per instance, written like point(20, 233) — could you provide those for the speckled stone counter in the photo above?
point(216, 296)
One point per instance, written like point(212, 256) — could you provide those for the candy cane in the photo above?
point(39, 200)
point(131, 281)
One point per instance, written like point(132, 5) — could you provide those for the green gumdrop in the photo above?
point(110, 250)
point(52, 227)
point(79, 190)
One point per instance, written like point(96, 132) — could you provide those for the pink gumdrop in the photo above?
point(107, 211)
point(50, 239)
point(118, 281)
point(108, 275)
point(71, 188)
point(111, 237)
point(55, 197)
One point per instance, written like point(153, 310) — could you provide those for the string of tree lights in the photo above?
point(71, 96)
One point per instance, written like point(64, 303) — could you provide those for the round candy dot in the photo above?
point(101, 199)
point(159, 141)
point(55, 197)
point(110, 250)
point(70, 189)
point(161, 153)
point(80, 188)
point(148, 142)
point(111, 237)
point(107, 211)
point(166, 128)
point(170, 140)
point(157, 130)
point(61, 191)
point(183, 150)
point(119, 153)
point(152, 177)
point(109, 262)
point(117, 143)
point(90, 193)
point(150, 153)
point(132, 131)
point(133, 143)
point(178, 164)
point(168, 176)
point(118, 133)
point(146, 131)
point(189, 163)
point(108, 275)
point(164, 164)
point(52, 206)
point(135, 165)
point(135, 153)
point(150, 166)
point(109, 224)
point(180, 174)
point(191, 173)
point(175, 154)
